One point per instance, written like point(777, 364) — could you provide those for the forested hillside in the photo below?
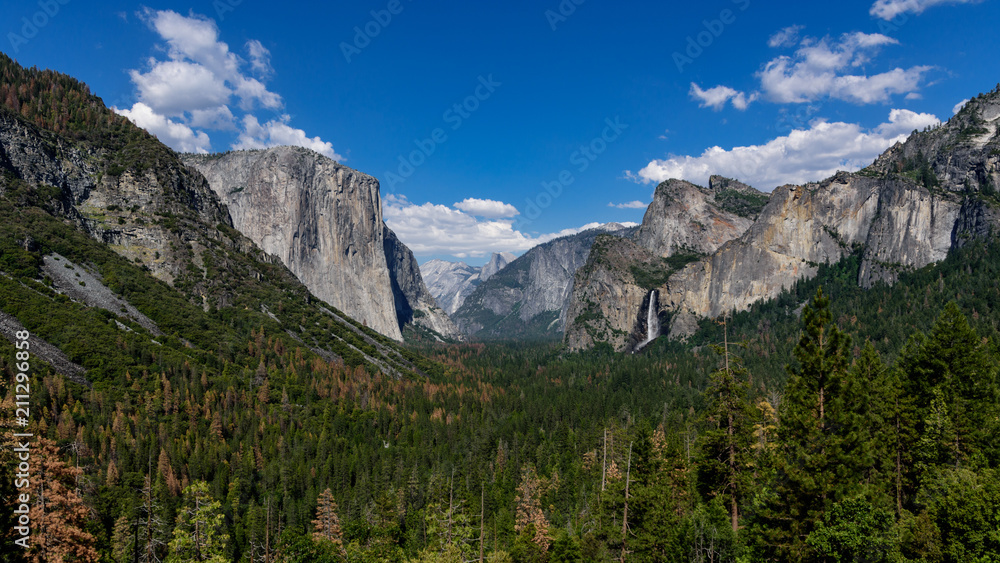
point(252, 424)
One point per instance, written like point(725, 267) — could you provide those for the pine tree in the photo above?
point(59, 515)
point(326, 526)
point(823, 455)
point(727, 453)
point(954, 366)
point(529, 509)
point(198, 535)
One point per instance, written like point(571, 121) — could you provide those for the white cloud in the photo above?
point(194, 87)
point(889, 9)
point(277, 132)
point(716, 97)
point(958, 107)
point(177, 135)
point(430, 229)
point(629, 205)
point(173, 87)
point(801, 156)
point(486, 208)
point(213, 118)
point(260, 58)
point(821, 68)
point(786, 37)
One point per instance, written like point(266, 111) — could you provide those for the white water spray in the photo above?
point(652, 322)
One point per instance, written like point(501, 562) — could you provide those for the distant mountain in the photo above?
point(324, 221)
point(527, 299)
point(451, 282)
point(918, 201)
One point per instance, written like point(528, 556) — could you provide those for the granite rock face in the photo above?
point(414, 303)
point(323, 221)
point(608, 304)
point(529, 297)
point(684, 217)
point(683, 220)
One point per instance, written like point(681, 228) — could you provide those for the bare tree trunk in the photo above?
point(604, 461)
point(628, 476)
point(482, 514)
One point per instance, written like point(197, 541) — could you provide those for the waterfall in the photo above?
point(652, 322)
point(652, 319)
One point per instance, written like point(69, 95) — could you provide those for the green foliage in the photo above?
point(744, 204)
point(854, 530)
point(198, 535)
point(653, 275)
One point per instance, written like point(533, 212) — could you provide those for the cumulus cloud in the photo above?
point(176, 135)
point(801, 156)
point(629, 205)
point(431, 228)
point(786, 37)
point(889, 9)
point(823, 68)
point(716, 97)
point(196, 86)
point(958, 107)
point(277, 132)
point(486, 208)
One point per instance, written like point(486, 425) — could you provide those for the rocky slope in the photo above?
point(323, 221)
point(528, 298)
point(918, 200)
point(451, 282)
point(681, 224)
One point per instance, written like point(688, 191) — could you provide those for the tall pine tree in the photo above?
point(822, 454)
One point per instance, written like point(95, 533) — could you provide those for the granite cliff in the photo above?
point(323, 221)
point(917, 201)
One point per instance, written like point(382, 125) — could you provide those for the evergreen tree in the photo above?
point(198, 535)
point(952, 373)
point(326, 526)
point(59, 515)
point(823, 455)
point(725, 470)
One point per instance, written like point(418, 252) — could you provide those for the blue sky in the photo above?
point(494, 126)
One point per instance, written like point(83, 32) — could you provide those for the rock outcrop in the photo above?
point(529, 297)
point(323, 221)
point(684, 217)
